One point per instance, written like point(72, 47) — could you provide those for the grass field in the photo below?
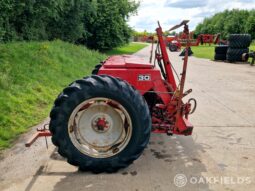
point(33, 74)
point(203, 51)
point(128, 49)
point(208, 51)
point(252, 47)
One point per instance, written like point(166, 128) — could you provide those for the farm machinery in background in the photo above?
point(176, 42)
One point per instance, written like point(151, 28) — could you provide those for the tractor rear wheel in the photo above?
point(100, 124)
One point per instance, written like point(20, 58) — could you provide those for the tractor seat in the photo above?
point(127, 61)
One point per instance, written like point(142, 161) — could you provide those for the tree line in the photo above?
point(229, 22)
point(98, 24)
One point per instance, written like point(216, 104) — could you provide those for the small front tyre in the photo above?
point(100, 124)
point(173, 47)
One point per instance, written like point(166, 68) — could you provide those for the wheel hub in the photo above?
point(100, 127)
point(100, 124)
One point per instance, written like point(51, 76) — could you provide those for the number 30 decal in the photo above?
point(144, 77)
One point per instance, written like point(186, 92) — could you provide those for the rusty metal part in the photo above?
point(194, 105)
point(183, 77)
point(184, 22)
point(94, 119)
point(37, 135)
point(152, 48)
point(100, 130)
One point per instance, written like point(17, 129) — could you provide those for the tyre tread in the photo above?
point(58, 114)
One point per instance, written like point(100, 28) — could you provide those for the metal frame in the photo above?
point(164, 97)
point(169, 113)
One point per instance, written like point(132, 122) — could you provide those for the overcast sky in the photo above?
point(171, 12)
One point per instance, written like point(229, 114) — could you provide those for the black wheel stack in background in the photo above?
point(238, 45)
point(221, 52)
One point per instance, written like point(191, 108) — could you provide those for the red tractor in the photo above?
point(173, 43)
point(103, 122)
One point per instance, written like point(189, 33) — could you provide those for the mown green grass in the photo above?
point(31, 76)
point(127, 49)
point(204, 51)
point(207, 51)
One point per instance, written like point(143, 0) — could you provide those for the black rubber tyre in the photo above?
point(220, 57)
point(107, 87)
point(221, 49)
point(239, 40)
point(173, 47)
point(235, 55)
point(96, 69)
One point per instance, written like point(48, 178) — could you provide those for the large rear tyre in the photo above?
point(100, 124)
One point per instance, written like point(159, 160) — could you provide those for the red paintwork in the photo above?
point(173, 40)
point(102, 123)
point(181, 40)
point(39, 133)
point(131, 76)
point(170, 114)
point(126, 61)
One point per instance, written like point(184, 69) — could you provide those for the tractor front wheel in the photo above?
point(173, 47)
point(100, 123)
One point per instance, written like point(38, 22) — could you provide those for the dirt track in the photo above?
point(221, 150)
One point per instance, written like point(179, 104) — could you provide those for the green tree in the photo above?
point(32, 17)
point(250, 24)
point(108, 26)
point(228, 22)
point(99, 24)
point(68, 24)
point(7, 30)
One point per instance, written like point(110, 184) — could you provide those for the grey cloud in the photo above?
point(246, 1)
point(186, 4)
point(146, 24)
point(205, 14)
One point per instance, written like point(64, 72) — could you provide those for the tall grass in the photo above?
point(31, 76)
